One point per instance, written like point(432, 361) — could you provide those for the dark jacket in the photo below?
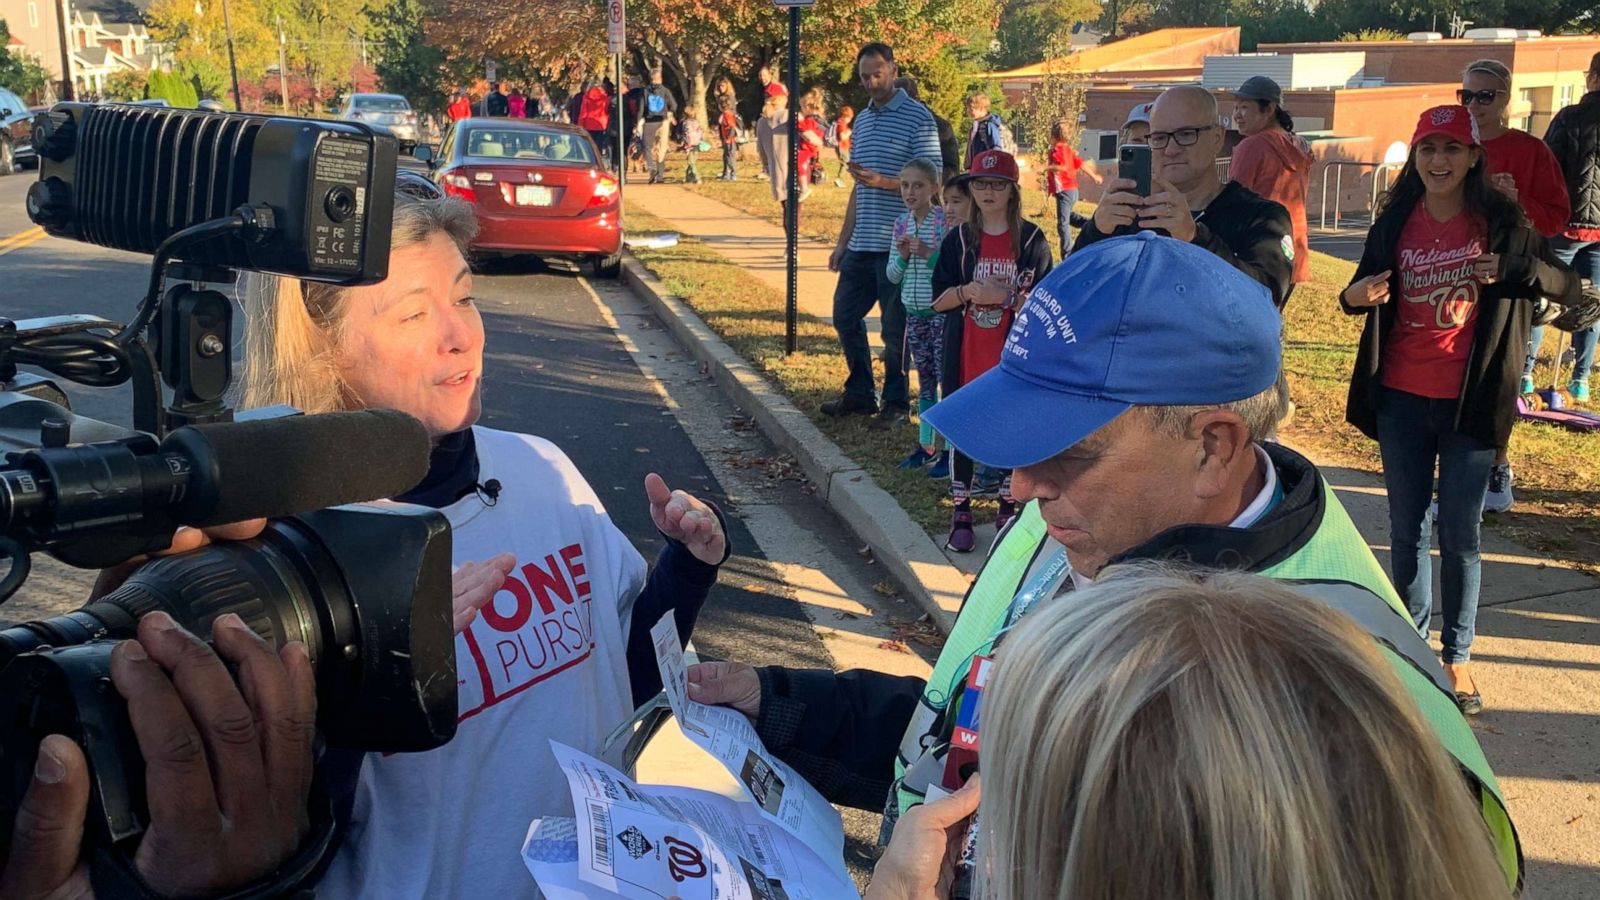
point(841, 730)
point(988, 136)
point(496, 104)
point(949, 148)
point(1574, 137)
point(669, 104)
point(1488, 404)
point(958, 257)
point(1242, 227)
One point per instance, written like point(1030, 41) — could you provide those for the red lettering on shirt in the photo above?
point(1437, 311)
point(523, 636)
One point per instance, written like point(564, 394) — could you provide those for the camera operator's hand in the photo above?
point(227, 767)
point(1167, 209)
point(183, 541)
point(1120, 206)
point(683, 518)
point(475, 584)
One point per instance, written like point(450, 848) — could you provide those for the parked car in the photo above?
point(386, 112)
point(16, 133)
point(538, 188)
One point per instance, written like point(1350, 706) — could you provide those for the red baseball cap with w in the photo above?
point(993, 164)
point(1451, 121)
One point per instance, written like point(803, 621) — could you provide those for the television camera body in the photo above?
point(365, 587)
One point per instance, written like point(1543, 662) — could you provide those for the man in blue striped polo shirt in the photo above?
point(891, 131)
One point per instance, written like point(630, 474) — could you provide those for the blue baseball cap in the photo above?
point(1137, 320)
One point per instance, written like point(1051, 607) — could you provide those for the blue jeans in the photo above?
point(1065, 200)
point(1584, 258)
point(1413, 432)
point(864, 283)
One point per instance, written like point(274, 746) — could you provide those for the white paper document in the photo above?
point(777, 790)
point(653, 842)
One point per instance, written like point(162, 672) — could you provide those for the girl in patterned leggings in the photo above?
point(912, 255)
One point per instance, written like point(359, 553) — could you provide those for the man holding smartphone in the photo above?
point(1188, 199)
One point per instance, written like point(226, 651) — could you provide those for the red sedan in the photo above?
point(538, 188)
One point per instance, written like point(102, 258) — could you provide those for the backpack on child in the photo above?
point(655, 104)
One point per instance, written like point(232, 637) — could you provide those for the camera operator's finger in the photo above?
point(177, 776)
point(281, 692)
point(226, 724)
point(47, 831)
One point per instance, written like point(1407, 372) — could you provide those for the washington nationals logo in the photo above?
point(989, 162)
point(1444, 115)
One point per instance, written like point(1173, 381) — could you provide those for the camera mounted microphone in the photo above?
point(94, 505)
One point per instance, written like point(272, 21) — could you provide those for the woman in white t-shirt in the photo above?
point(548, 657)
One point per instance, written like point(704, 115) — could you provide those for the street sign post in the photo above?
point(791, 209)
point(489, 72)
point(616, 26)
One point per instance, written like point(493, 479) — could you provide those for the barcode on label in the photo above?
point(600, 830)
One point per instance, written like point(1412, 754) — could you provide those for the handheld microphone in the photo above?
point(94, 505)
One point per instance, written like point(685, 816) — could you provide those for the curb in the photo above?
point(905, 549)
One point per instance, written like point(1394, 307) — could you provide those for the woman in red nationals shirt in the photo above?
point(1446, 282)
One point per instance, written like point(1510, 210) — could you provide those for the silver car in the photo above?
point(386, 112)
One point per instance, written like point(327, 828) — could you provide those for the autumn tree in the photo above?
point(1026, 26)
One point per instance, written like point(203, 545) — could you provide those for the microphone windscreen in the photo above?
point(280, 467)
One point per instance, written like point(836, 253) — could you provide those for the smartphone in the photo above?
point(1133, 163)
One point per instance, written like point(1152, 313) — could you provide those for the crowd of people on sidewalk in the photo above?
point(1203, 682)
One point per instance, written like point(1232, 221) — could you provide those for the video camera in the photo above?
point(365, 588)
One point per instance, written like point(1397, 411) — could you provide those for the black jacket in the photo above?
point(1488, 404)
point(958, 257)
point(841, 730)
point(496, 105)
point(1574, 137)
point(1240, 226)
point(669, 104)
point(949, 148)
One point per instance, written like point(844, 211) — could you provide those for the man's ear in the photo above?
point(1225, 446)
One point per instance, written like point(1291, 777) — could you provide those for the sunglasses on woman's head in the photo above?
point(1484, 97)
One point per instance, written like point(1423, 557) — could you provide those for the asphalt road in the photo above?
point(583, 364)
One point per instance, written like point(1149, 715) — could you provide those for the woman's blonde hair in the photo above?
point(293, 328)
point(813, 102)
point(1188, 736)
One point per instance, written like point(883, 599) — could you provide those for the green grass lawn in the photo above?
point(1557, 471)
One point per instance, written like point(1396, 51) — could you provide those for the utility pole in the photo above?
point(69, 91)
point(283, 68)
point(233, 67)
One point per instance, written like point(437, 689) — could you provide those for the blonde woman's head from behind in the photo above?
point(1170, 735)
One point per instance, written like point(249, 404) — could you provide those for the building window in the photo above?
point(1566, 95)
point(1526, 95)
point(1108, 147)
point(33, 15)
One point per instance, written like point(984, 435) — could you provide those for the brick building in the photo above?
point(1354, 102)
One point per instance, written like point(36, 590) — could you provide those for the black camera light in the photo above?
point(129, 177)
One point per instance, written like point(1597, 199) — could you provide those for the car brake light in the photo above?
point(605, 191)
point(456, 185)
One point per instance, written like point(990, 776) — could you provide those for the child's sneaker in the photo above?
point(916, 459)
point(1579, 391)
point(1526, 387)
point(961, 538)
point(940, 467)
point(1008, 511)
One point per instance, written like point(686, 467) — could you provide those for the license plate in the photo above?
point(534, 195)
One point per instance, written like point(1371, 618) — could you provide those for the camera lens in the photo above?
point(270, 583)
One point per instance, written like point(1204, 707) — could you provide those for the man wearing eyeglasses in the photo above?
point(1189, 201)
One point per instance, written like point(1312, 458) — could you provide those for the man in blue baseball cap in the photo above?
point(1134, 401)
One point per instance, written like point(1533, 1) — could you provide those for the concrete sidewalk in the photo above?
point(1538, 644)
point(754, 245)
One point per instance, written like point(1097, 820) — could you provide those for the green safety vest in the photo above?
point(1335, 566)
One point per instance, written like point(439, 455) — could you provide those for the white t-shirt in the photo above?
point(545, 659)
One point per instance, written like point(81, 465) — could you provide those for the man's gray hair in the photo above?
point(1261, 413)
